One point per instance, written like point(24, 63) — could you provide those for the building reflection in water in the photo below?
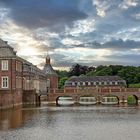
point(10, 118)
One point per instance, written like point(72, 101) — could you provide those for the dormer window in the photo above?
point(116, 83)
point(89, 83)
point(97, 83)
point(73, 83)
point(84, 83)
point(102, 83)
point(78, 83)
point(113, 83)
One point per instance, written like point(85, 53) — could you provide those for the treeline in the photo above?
point(129, 73)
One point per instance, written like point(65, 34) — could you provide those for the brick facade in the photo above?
point(20, 80)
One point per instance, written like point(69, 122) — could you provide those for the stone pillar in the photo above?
point(99, 99)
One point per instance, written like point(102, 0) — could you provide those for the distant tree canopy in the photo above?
point(77, 70)
point(129, 73)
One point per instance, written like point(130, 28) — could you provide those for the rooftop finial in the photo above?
point(47, 58)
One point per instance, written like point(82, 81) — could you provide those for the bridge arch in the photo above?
point(64, 100)
point(110, 99)
point(87, 100)
point(132, 99)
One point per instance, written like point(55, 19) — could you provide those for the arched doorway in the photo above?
point(132, 100)
point(110, 100)
point(87, 100)
point(64, 100)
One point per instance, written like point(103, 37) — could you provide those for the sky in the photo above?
point(87, 32)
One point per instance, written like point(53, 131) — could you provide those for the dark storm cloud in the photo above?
point(40, 13)
point(122, 45)
point(61, 25)
point(113, 45)
point(127, 59)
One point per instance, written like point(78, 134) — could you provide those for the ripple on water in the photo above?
point(71, 123)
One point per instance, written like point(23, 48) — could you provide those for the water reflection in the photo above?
point(87, 100)
point(65, 101)
point(11, 118)
point(71, 123)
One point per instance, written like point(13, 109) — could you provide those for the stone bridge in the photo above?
point(99, 93)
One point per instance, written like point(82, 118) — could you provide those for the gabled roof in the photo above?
point(6, 50)
point(49, 70)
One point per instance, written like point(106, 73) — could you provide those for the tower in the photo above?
point(51, 74)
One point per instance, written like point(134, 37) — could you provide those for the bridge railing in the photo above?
point(132, 90)
point(94, 90)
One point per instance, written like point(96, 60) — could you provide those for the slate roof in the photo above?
point(6, 50)
point(49, 70)
point(94, 78)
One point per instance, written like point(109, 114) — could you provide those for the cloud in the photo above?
point(118, 45)
point(89, 32)
point(128, 3)
point(121, 44)
point(35, 14)
point(82, 27)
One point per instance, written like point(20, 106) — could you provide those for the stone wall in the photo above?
point(10, 99)
point(30, 97)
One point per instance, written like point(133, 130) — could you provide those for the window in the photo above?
point(89, 83)
point(5, 82)
point(18, 66)
point(4, 65)
point(108, 83)
point(113, 83)
point(18, 82)
point(73, 83)
point(84, 83)
point(116, 83)
point(78, 83)
point(102, 83)
point(97, 83)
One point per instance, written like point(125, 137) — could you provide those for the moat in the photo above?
point(94, 122)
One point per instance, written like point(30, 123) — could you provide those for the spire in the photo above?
point(47, 58)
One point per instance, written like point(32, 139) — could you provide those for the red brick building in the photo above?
point(20, 80)
point(10, 76)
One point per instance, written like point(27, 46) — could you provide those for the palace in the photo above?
point(20, 80)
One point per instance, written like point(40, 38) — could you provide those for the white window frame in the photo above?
point(4, 65)
point(78, 83)
point(2, 82)
point(73, 83)
point(89, 83)
point(84, 83)
point(116, 83)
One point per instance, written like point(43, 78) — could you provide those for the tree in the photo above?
point(77, 70)
point(62, 82)
point(62, 73)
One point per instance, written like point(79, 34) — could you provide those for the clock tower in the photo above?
point(51, 74)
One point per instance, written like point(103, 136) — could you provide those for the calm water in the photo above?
point(71, 123)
